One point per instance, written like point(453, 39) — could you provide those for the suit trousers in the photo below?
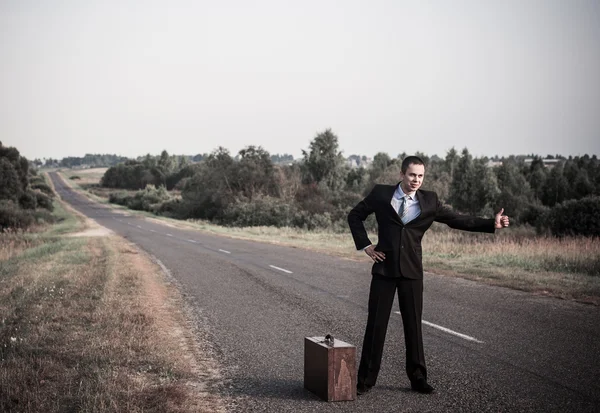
point(381, 299)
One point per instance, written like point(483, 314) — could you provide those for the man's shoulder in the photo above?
point(427, 194)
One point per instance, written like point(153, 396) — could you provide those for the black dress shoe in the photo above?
point(362, 388)
point(421, 386)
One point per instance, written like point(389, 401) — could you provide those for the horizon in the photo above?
point(234, 155)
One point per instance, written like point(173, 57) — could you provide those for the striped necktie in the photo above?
point(403, 210)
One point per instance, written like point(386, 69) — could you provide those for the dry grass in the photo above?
point(87, 176)
point(86, 179)
point(567, 268)
point(89, 324)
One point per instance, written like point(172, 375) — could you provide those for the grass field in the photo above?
point(515, 257)
point(90, 323)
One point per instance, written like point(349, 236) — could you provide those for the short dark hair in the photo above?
point(411, 160)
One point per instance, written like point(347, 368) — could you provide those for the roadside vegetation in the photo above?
point(554, 203)
point(555, 195)
point(90, 323)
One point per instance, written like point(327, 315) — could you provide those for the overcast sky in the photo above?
point(135, 77)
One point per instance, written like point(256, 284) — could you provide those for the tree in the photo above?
point(323, 163)
point(255, 172)
point(208, 192)
point(460, 189)
point(556, 187)
point(474, 187)
point(166, 162)
point(10, 185)
point(583, 185)
point(451, 161)
point(515, 193)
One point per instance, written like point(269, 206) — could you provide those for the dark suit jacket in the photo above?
point(401, 243)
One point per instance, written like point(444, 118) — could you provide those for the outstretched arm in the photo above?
point(446, 215)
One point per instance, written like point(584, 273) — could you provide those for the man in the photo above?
point(404, 212)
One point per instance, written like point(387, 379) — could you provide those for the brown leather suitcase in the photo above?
point(330, 368)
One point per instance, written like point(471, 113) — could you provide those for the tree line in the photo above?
point(318, 191)
point(107, 160)
point(25, 197)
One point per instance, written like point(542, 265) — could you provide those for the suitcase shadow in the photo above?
point(273, 388)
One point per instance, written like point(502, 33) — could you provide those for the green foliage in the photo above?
point(13, 217)
point(43, 187)
point(44, 201)
point(28, 200)
point(535, 215)
point(320, 190)
point(323, 163)
point(207, 193)
point(261, 211)
point(357, 180)
point(10, 186)
point(89, 160)
point(172, 208)
point(144, 200)
point(20, 189)
point(556, 187)
point(474, 187)
point(576, 217)
point(438, 179)
point(75, 177)
point(515, 194)
point(174, 180)
point(133, 175)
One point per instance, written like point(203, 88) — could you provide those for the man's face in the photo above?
point(412, 179)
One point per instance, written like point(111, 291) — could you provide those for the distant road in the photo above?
point(488, 349)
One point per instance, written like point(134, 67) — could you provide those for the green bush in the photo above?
point(576, 217)
point(44, 201)
point(313, 221)
point(143, 200)
point(119, 198)
point(260, 211)
point(151, 196)
point(535, 215)
point(37, 179)
point(42, 186)
point(75, 177)
point(171, 208)
point(13, 217)
point(28, 200)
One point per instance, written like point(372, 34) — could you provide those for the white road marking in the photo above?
point(226, 252)
point(152, 230)
point(191, 240)
point(138, 226)
point(162, 266)
point(447, 330)
point(169, 235)
point(281, 269)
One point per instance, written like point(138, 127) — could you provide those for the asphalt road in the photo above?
point(487, 348)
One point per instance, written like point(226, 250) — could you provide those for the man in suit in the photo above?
point(404, 212)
